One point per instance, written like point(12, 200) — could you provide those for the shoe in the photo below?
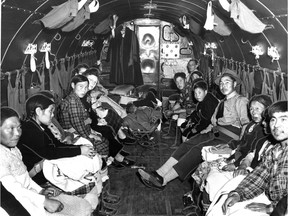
point(104, 211)
point(125, 163)
point(124, 153)
point(146, 183)
point(128, 141)
point(153, 179)
point(110, 198)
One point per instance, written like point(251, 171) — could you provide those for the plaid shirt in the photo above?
point(85, 189)
point(270, 176)
point(186, 99)
point(72, 114)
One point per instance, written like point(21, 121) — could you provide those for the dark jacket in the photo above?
point(253, 133)
point(36, 144)
point(201, 116)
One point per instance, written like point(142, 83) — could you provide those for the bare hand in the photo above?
point(51, 191)
point(88, 121)
point(88, 151)
point(68, 140)
point(52, 205)
point(240, 171)
point(229, 167)
point(258, 207)
point(230, 201)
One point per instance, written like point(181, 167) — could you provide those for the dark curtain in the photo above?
point(125, 60)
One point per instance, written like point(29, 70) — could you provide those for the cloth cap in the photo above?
point(230, 73)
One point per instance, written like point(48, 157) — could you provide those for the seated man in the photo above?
point(193, 72)
point(262, 189)
point(184, 104)
point(141, 118)
point(230, 118)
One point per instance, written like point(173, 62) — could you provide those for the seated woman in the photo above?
point(141, 118)
point(37, 143)
point(79, 69)
point(16, 180)
point(43, 145)
point(200, 118)
point(73, 117)
point(94, 81)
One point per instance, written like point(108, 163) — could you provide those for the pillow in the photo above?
point(123, 90)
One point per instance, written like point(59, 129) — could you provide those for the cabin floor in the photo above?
point(139, 200)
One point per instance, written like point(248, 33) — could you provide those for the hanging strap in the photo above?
point(32, 84)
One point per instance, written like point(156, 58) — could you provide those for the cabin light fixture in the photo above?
point(210, 46)
point(31, 49)
point(46, 47)
point(149, 6)
point(273, 53)
point(257, 51)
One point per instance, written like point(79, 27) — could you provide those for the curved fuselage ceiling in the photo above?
point(19, 29)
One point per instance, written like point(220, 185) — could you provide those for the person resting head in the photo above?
point(147, 98)
point(93, 76)
point(131, 108)
point(141, 118)
point(79, 69)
